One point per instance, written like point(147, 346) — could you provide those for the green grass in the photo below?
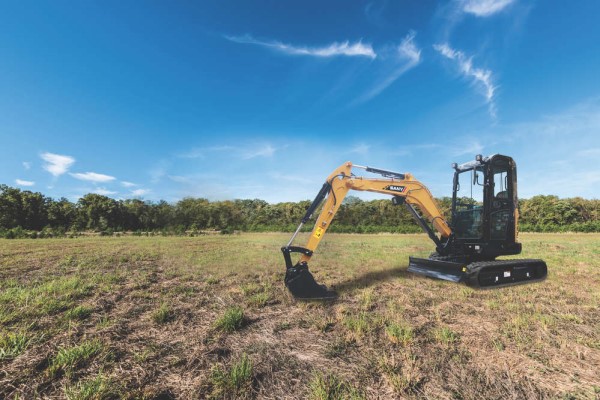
point(231, 320)
point(97, 388)
point(69, 359)
point(79, 313)
point(65, 302)
point(12, 344)
point(445, 335)
point(163, 314)
point(399, 333)
point(257, 295)
point(402, 373)
point(331, 387)
point(338, 348)
point(234, 382)
point(213, 281)
point(359, 324)
point(258, 300)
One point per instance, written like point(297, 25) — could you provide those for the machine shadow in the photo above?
point(372, 278)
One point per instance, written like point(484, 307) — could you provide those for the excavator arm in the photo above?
point(404, 189)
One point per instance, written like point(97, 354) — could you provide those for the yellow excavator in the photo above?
point(483, 226)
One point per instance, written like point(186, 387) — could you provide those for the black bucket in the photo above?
point(301, 283)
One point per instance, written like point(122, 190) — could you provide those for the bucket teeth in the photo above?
point(301, 283)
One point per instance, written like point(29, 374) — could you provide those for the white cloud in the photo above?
point(469, 148)
point(553, 151)
point(264, 151)
point(159, 170)
point(140, 192)
point(21, 182)
point(357, 49)
point(278, 177)
point(128, 184)
point(240, 152)
point(26, 165)
point(57, 164)
point(593, 152)
point(103, 191)
point(194, 153)
point(485, 8)
point(92, 177)
point(481, 77)
point(409, 50)
point(180, 179)
point(361, 149)
point(406, 56)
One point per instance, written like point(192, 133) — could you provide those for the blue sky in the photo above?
point(262, 99)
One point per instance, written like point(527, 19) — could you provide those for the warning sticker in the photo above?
point(318, 232)
point(507, 274)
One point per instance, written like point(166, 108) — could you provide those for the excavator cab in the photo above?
point(484, 207)
point(484, 221)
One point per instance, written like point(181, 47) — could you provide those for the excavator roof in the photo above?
point(479, 161)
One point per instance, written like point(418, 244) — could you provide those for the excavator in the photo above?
point(483, 225)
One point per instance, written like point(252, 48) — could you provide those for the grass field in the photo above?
point(209, 317)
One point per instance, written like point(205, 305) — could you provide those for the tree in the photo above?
point(61, 214)
point(100, 212)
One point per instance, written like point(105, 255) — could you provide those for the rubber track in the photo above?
point(477, 267)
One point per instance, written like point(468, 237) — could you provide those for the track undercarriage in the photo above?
point(480, 274)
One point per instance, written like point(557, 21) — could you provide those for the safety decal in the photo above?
point(318, 232)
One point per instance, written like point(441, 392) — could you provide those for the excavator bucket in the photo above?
point(482, 274)
point(298, 279)
point(301, 283)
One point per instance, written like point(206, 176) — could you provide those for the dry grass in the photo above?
point(160, 318)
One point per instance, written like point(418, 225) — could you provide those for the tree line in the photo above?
point(31, 214)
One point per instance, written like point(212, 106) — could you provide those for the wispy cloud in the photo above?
point(479, 76)
point(593, 152)
point(361, 149)
point(92, 177)
point(140, 192)
point(26, 165)
point(103, 191)
point(159, 170)
point(194, 153)
point(128, 184)
point(484, 8)
point(278, 177)
point(403, 58)
point(180, 179)
point(202, 152)
point(469, 148)
point(263, 151)
point(57, 164)
point(22, 182)
point(357, 49)
point(239, 152)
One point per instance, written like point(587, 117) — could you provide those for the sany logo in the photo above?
point(395, 188)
